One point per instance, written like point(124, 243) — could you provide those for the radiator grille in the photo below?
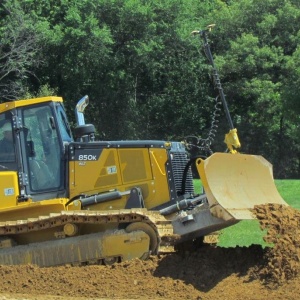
point(179, 160)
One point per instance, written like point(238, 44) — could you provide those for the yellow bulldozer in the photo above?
point(66, 198)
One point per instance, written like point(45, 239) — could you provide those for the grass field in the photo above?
point(247, 232)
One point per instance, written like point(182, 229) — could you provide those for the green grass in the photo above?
point(243, 234)
point(247, 232)
point(289, 191)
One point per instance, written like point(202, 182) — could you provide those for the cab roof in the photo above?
point(20, 103)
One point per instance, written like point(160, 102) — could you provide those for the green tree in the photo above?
point(19, 49)
point(146, 78)
point(139, 67)
point(256, 42)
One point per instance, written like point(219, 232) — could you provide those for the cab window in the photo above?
point(7, 143)
point(43, 152)
point(63, 124)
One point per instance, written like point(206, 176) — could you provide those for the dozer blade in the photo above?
point(235, 183)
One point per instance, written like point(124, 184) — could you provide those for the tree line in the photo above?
point(148, 78)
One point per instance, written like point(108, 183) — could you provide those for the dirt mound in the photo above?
point(208, 273)
point(282, 224)
point(171, 276)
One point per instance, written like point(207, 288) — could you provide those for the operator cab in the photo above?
point(39, 131)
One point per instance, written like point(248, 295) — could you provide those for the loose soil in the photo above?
point(208, 273)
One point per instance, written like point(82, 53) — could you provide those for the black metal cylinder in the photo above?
point(100, 198)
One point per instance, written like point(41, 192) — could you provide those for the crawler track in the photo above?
point(86, 248)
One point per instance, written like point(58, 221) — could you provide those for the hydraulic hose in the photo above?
point(185, 172)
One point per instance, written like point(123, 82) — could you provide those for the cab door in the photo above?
point(9, 177)
point(43, 152)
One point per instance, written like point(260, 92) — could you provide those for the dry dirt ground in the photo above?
point(209, 273)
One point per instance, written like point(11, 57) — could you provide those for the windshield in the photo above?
point(63, 124)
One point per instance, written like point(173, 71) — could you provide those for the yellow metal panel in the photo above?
point(29, 209)
point(135, 165)
point(95, 176)
point(9, 189)
point(159, 189)
point(122, 169)
point(73, 190)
